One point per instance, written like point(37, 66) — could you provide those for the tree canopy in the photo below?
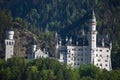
point(50, 69)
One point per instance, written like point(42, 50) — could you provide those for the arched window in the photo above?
point(101, 65)
point(12, 43)
point(9, 43)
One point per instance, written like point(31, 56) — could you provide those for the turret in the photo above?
point(9, 34)
point(92, 21)
point(56, 41)
point(70, 40)
point(103, 43)
point(77, 43)
point(56, 38)
point(83, 33)
point(110, 45)
point(66, 39)
point(9, 44)
point(33, 47)
point(60, 42)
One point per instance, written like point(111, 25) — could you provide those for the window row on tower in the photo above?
point(9, 43)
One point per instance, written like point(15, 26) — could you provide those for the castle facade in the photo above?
point(88, 49)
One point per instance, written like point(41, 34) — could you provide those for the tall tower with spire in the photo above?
point(57, 45)
point(88, 50)
point(9, 44)
point(92, 34)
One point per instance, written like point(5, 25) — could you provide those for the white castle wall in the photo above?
point(102, 58)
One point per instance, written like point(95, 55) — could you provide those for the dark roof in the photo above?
point(106, 40)
point(82, 41)
point(76, 41)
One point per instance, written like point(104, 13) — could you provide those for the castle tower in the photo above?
point(92, 34)
point(9, 44)
point(33, 49)
point(56, 45)
point(56, 40)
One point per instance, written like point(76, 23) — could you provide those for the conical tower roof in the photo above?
point(92, 14)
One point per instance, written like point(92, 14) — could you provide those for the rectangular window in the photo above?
point(96, 55)
point(74, 49)
point(81, 59)
point(106, 60)
point(80, 49)
point(99, 60)
point(107, 51)
point(100, 55)
point(106, 65)
point(107, 56)
point(74, 63)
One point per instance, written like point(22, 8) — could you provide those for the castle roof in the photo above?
point(92, 14)
point(75, 40)
point(106, 40)
point(83, 41)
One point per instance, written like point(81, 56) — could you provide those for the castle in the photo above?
point(87, 49)
point(33, 51)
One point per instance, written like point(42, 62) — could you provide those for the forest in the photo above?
point(67, 17)
point(50, 69)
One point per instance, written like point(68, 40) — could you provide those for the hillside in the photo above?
point(23, 40)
